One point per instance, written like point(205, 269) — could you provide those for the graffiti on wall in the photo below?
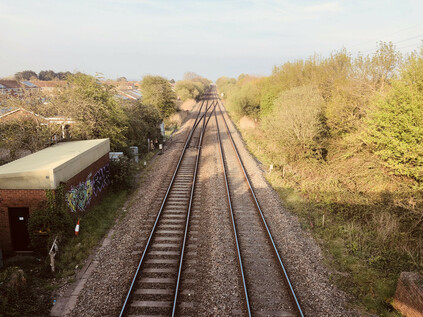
point(79, 196)
point(101, 179)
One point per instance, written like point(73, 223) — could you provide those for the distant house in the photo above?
point(81, 166)
point(16, 113)
point(13, 113)
point(15, 88)
point(129, 94)
point(51, 86)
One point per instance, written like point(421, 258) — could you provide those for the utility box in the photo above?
point(134, 152)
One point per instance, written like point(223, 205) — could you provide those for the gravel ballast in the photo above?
point(218, 291)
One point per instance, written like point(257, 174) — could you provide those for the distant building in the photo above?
point(51, 86)
point(83, 168)
point(128, 94)
point(62, 132)
point(13, 113)
point(15, 88)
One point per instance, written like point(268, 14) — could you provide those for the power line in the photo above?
point(395, 43)
point(389, 34)
point(411, 38)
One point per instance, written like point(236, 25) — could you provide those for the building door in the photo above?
point(18, 218)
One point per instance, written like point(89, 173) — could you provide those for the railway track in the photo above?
point(165, 278)
point(154, 289)
point(267, 287)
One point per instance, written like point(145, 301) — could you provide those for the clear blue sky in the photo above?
point(133, 38)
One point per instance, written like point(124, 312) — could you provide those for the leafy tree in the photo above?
point(379, 69)
point(27, 132)
point(396, 125)
point(187, 89)
point(143, 124)
point(26, 75)
point(156, 91)
point(122, 79)
point(63, 75)
point(47, 75)
point(296, 123)
point(96, 112)
point(191, 76)
point(245, 99)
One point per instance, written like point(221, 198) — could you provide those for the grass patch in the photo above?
point(93, 225)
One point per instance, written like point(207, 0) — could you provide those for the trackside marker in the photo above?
point(77, 228)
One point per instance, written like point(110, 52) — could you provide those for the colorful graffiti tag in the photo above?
point(101, 179)
point(79, 197)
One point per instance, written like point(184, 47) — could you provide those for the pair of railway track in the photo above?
point(169, 257)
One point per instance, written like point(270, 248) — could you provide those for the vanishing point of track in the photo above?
point(165, 262)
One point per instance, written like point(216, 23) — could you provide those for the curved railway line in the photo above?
point(166, 273)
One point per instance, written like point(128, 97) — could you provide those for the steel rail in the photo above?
point(197, 160)
point(244, 283)
point(188, 140)
point(285, 273)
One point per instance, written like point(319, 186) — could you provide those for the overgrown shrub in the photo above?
point(396, 130)
point(123, 173)
point(51, 220)
point(296, 123)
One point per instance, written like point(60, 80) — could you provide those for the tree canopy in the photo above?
point(157, 91)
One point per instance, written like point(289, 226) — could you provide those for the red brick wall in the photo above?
point(32, 198)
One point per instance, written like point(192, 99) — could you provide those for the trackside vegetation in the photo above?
point(191, 87)
point(26, 283)
point(344, 136)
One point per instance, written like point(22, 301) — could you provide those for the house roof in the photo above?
point(7, 83)
point(7, 110)
point(129, 94)
point(10, 110)
point(47, 168)
point(49, 83)
point(28, 84)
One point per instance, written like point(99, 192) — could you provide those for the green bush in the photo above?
point(51, 220)
point(296, 123)
point(122, 174)
point(396, 130)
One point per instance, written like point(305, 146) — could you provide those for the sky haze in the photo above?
point(133, 38)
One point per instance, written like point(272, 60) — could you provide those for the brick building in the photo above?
point(83, 166)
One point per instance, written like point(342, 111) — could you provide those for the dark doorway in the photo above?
point(18, 218)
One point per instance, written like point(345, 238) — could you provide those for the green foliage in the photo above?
point(143, 124)
point(93, 225)
point(377, 70)
point(96, 112)
point(51, 220)
point(122, 174)
point(345, 110)
point(225, 85)
point(157, 91)
point(295, 123)
point(26, 75)
point(27, 132)
point(396, 130)
point(188, 89)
